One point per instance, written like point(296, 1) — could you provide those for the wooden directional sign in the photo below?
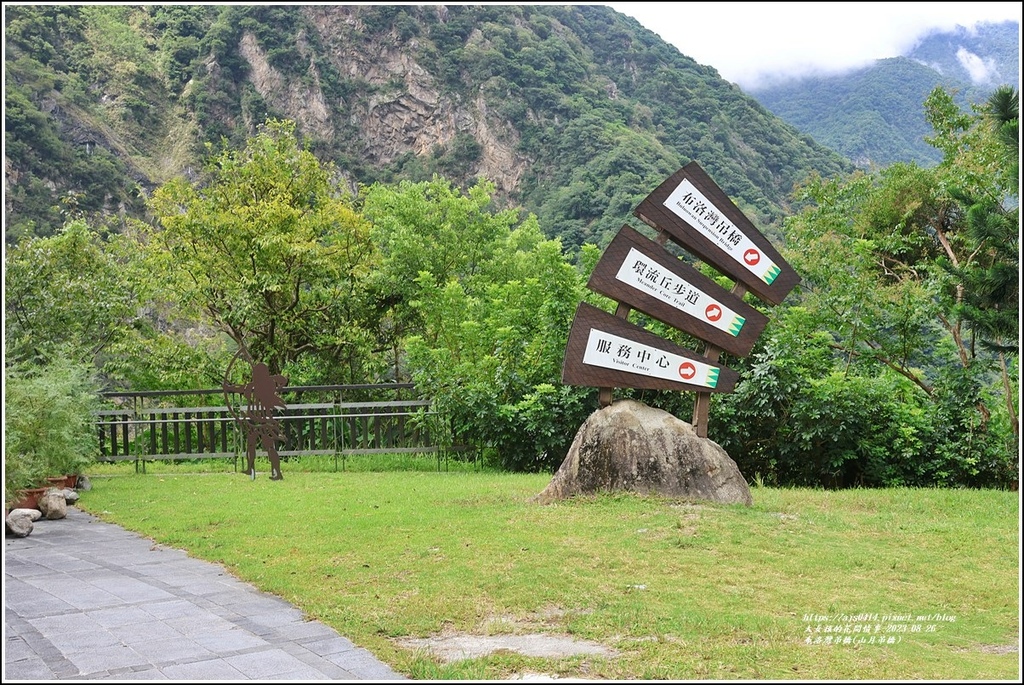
point(637, 271)
point(607, 351)
point(697, 215)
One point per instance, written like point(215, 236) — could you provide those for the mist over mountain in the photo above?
point(985, 57)
point(875, 116)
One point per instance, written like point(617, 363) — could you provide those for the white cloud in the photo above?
point(980, 70)
point(750, 42)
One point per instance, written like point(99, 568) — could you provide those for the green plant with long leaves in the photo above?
point(49, 422)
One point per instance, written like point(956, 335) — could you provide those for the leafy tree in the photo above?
point(65, 296)
point(490, 349)
point(270, 251)
point(897, 271)
point(1004, 113)
point(428, 234)
point(988, 284)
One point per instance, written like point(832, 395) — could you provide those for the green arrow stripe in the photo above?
point(736, 325)
point(713, 377)
point(771, 274)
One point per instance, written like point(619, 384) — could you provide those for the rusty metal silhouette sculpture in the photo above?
point(258, 420)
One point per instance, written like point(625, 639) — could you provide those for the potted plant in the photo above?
point(50, 423)
point(67, 466)
point(23, 478)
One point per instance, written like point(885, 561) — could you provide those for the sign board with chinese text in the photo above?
point(637, 271)
point(698, 216)
point(607, 351)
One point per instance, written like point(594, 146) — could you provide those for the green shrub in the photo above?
point(795, 421)
point(50, 422)
point(21, 472)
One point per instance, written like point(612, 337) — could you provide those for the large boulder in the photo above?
point(19, 522)
point(630, 446)
point(53, 504)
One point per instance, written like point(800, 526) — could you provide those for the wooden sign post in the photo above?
point(605, 350)
point(640, 273)
point(700, 218)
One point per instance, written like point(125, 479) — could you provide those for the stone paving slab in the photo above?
point(88, 600)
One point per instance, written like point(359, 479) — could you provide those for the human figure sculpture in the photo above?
point(261, 424)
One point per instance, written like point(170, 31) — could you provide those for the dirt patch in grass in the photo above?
point(998, 649)
point(546, 677)
point(527, 636)
point(449, 648)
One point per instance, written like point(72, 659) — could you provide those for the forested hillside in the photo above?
point(575, 113)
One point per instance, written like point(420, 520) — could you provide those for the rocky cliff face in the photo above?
point(405, 111)
point(305, 104)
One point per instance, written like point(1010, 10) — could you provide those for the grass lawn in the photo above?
point(679, 590)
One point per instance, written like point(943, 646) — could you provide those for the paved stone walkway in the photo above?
point(88, 600)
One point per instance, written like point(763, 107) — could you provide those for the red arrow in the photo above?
point(713, 312)
point(751, 257)
point(687, 370)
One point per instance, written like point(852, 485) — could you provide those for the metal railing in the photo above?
point(144, 429)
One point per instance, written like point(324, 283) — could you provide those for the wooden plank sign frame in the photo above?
point(700, 217)
point(607, 351)
point(641, 273)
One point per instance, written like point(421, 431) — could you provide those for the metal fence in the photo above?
point(179, 425)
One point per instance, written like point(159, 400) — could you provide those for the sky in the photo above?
point(753, 43)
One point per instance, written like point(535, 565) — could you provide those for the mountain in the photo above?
point(875, 116)
point(575, 113)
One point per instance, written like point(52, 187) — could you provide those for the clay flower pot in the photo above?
point(29, 499)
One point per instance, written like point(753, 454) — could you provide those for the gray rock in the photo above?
point(52, 504)
point(84, 483)
point(630, 446)
point(70, 496)
point(33, 514)
point(19, 524)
